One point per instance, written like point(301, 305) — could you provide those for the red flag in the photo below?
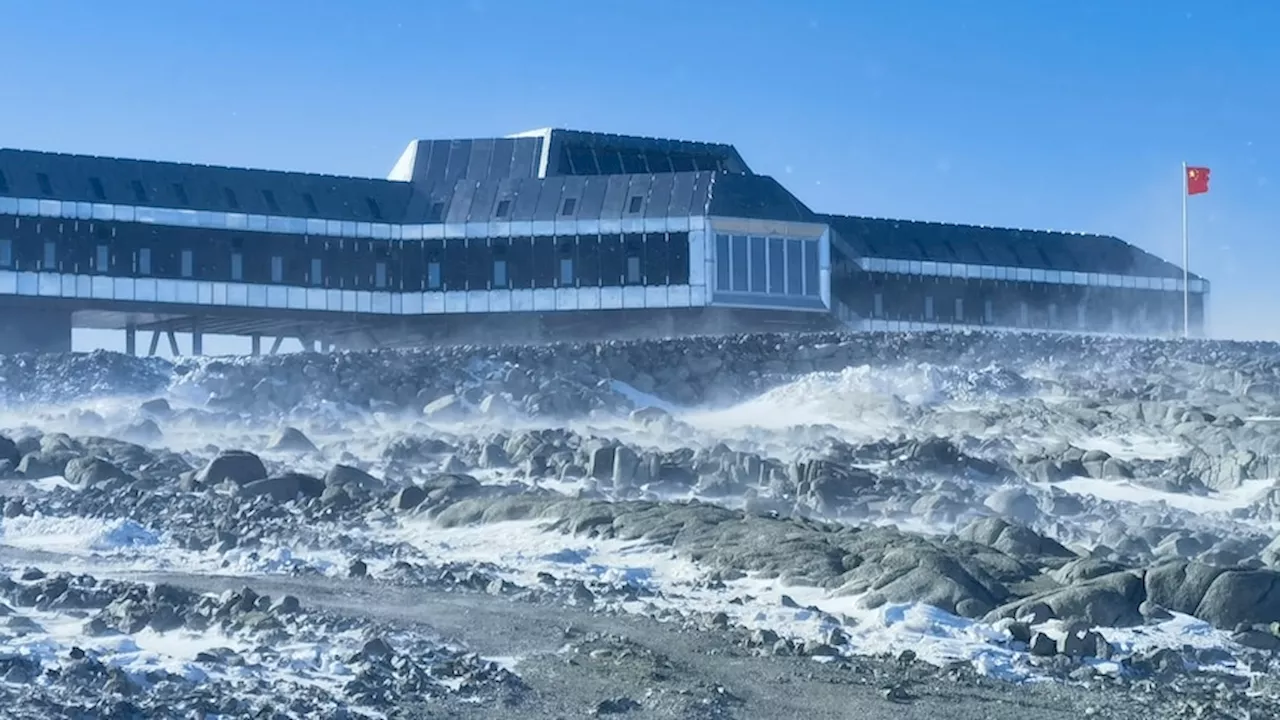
point(1197, 180)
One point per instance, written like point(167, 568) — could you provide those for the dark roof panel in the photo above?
point(205, 187)
point(1076, 252)
point(756, 197)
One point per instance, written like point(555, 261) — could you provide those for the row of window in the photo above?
point(767, 265)
point(178, 217)
point(470, 264)
point(1080, 315)
point(1020, 274)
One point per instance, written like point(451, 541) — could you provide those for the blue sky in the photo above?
point(1060, 115)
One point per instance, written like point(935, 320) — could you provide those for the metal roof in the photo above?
point(979, 245)
point(88, 178)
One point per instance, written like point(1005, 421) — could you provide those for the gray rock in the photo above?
point(290, 439)
point(1257, 639)
point(237, 466)
point(1042, 645)
point(44, 463)
point(9, 451)
point(1014, 504)
point(408, 498)
point(492, 455)
point(346, 475)
point(285, 487)
point(1241, 596)
point(89, 472)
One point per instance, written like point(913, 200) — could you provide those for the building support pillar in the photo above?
point(130, 340)
point(155, 343)
point(197, 338)
point(173, 344)
point(275, 344)
point(255, 345)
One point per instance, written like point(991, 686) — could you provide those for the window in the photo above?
point(46, 187)
point(723, 269)
point(633, 271)
point(738, 260)
point(6, 253)
point(270, 198)
point(188, 263)
point(180, 192)
point(988, 312)
point(380, 274)
point(4, 183)
point(230, 196)
point(499, 273)
point(777, 266)
point(433, 275)
point(374, 211)
point(102, 260)
point(634, 253)
point(566, 272)
point(95, 186)
point(759, 269)
point(928, 307)
point(139, 192)
point(237, 266)
point(504, 209)
point(277, 269)
point(812, 285)
point(877, 305)
point(144, 261)
point(570, 204)
point(634, 204)
point(436, 213)
point(795, 267)
point(317, 277)
point(959, 309)
point(50, 256)
point(310, 202)
point(1023, 313)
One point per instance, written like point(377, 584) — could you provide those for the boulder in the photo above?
point(290, 439)
point(346, 475)
point(238, 466)
point(86, 472)
point(285, 487)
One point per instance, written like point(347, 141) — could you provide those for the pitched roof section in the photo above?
point(940, 242)
point(446, 161)
point(574, 152)
point(87, 178)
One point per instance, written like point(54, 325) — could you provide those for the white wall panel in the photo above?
point(633, 297)
point(656, 297)
point(257, 296)
point(219, 293)
point(521, 300)
point(589, 298)
point(455, 302)
point(68, 286)
point(49, 285)
point(412, 304)
point(364, 301)
point(204, 293)
point(380, 302)
point(610, 298)
point(566, 298)
point(678, 296)
point(187, 292)
point(297, 299)
point(28, 283)
point(433, 302)
point(8, 282)
point(697, 296)
point(500, 301)
point(477, 301)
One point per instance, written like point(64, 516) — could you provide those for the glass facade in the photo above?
point(756, 265)
point(1016, 274)
point(439, 264)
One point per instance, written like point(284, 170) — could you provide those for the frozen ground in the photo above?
point(991, 511)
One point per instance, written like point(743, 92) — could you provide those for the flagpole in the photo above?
point(1186, 286)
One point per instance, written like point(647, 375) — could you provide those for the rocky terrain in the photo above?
point(893, 525)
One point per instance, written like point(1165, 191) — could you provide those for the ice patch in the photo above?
point(641, 399)
point(1128, 492)
point(74, 534)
